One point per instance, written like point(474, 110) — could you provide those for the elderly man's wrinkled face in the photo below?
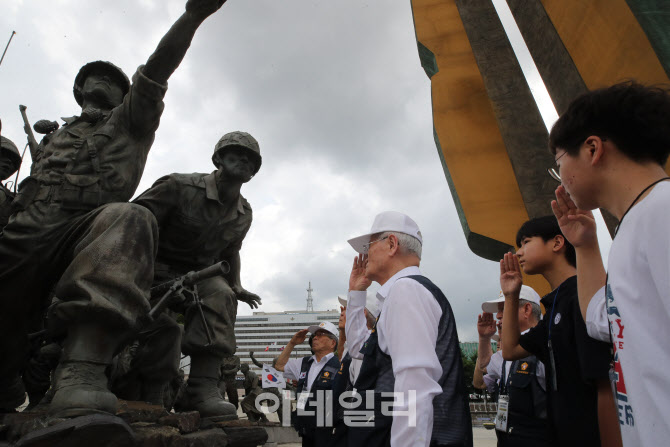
point(376, 257)
point(322, 341)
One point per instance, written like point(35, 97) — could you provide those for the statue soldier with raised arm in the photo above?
point(75, 238)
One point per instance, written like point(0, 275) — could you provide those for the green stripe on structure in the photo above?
point(654, 18)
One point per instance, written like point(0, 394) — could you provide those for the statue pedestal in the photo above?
point(136, 424)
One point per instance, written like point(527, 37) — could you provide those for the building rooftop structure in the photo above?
point(267, 333)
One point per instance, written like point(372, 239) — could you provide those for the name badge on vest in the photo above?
point(302, 375)
point(501, 416)
point(302, 400)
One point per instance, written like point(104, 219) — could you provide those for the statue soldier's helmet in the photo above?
point(9, 149)
point(115, 72)
point(242, 140)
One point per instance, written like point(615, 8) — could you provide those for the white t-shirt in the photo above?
point(638, 311)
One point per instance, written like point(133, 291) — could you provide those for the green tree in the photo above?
point(469, 371)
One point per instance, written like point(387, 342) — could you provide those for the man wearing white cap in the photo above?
point(315, 375)
point(350, 364)
point(519, 385)
point(413, 349)
point(371, 312)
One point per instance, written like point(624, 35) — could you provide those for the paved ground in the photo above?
point(482, 438)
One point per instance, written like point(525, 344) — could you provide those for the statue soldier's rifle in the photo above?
point(32, 142)
point(43, 127)
point(172, 292)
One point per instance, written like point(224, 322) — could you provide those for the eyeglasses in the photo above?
point(366, 247)
point(553, 172)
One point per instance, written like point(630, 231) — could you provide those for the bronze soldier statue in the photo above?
point(252, 390)
point(75, 238)
point(203, 219)
point(230, 365)
point(10, 160)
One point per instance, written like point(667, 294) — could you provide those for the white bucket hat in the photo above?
point(527, 293)
point(326, 326)
point(387, 221)
point(371, 303)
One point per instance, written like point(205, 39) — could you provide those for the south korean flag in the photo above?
point(272, 377)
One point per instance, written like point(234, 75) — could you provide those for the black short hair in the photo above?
point(636, 118)
point(547, 228)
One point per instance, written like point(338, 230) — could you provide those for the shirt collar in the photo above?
point(567, 287)
point(213, 193)
point(383, 291)
point(324, 359)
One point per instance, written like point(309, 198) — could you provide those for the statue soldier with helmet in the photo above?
point(10, 160)
point(74, 237)
point(203, 219)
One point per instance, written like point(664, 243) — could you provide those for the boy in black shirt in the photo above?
point(577, 366)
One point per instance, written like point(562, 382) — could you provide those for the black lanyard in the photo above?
point(504, 380)
point(635, 201)
point(616, 231)
point(553, 308)
point(554, 382)
point(607, 280)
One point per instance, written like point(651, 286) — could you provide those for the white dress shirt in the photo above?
point(293, 366)
point(407, 331)
point(355, 366)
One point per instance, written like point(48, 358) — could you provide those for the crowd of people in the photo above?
point(585, 372)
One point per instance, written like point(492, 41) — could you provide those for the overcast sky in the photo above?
point(333, 91)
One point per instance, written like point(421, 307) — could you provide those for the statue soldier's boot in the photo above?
point(80, 383)
point(202, 393)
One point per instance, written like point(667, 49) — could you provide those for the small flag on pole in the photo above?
point(272, 377)
point(267, 348)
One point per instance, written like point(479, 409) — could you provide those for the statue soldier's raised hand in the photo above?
point(203, 219)
point(74, 237)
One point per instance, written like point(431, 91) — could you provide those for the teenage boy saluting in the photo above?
point(579, 398)
point(610, 147)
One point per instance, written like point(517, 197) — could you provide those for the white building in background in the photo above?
point(266, 333)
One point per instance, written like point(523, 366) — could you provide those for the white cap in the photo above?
point(371, 303)
point(387, 221)
point(527, 293)
point(326, 326)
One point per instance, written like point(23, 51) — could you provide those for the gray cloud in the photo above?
point(333, 91)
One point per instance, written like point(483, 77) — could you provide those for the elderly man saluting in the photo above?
point(315, 375)
point(413, 349)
